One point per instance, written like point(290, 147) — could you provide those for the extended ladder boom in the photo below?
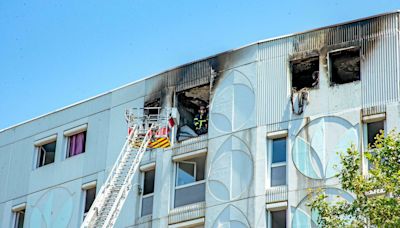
point(112, 195)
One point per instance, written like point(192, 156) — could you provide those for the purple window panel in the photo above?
point(77, 144)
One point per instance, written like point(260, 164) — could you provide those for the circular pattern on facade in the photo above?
point(231, 170)
point(231, 217)
point(233, 103)
point(302, 215)
point(53, 209)
point(316, 147)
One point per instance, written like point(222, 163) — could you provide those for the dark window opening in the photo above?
point(46, 154)
point(278, 219)
point(152, 105)
point(373, 129)
point(193, 111)
point(148, 187)
point(19, 218)
point(305, 73)
point(89, 199)
point(345, 66)
point(148, 192)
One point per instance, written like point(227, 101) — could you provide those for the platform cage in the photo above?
point(156, 119)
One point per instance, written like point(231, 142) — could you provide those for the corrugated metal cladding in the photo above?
point(185, 77)
point(378, 39)
point(272, 81)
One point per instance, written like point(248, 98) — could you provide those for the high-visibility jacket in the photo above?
point(200, 121)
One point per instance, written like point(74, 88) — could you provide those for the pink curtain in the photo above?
point(77, 144)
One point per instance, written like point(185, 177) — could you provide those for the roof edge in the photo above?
point(195, 61)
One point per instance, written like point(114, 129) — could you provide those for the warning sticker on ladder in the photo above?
point(160, 143)
point(157, 143)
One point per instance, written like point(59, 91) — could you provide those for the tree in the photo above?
point(376, 195)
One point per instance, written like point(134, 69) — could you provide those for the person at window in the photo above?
point(201, 121)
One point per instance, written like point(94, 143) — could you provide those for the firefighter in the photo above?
point(201, 121)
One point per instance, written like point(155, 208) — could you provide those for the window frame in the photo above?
point(71, 132)
point(68, 138)
point(367, 120)
point(175, 173)
point(195, 173)
point(142, 196)
point(16, 211)
point(297, 60)
point(269, 216)
point(329, 63)
point(38, 147)
point(276, 164)
point(85, 188)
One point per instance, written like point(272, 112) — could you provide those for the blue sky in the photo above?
point(55, 53)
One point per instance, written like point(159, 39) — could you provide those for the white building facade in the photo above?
point(279, 110)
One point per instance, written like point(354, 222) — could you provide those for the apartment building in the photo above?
point(279, 110)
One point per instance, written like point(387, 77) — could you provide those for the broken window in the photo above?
point(305, 72)
point(152, 106)
point(192, 107)
point(148, 192)
point(46, 153)
point(189, 181)
point(344, 65)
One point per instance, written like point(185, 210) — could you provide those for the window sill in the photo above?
point(47, 165)
point(144, 219)
point(74, 155)
point(276, 194)
point(187, 212)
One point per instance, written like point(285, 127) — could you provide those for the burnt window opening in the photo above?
point(305, 73)
point(190, 101)
point(152, 106)
point(344, 66)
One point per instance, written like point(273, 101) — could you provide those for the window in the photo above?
point(190, 183)
point(90, 195)
point(373, 129)
point(19, 217)
point(148, 192)
point(76, 144)
point(344, 65)
point(278, 162)
point(305, 73)
point(192, 107)
point(277, 219)
point(46, 153)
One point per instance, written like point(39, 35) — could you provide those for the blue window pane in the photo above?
point(278, 176)
point(147, 205)
point(186, 173)
point(189, 195)
point(279, 150)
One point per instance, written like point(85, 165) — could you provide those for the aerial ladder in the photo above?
point(147, 128)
